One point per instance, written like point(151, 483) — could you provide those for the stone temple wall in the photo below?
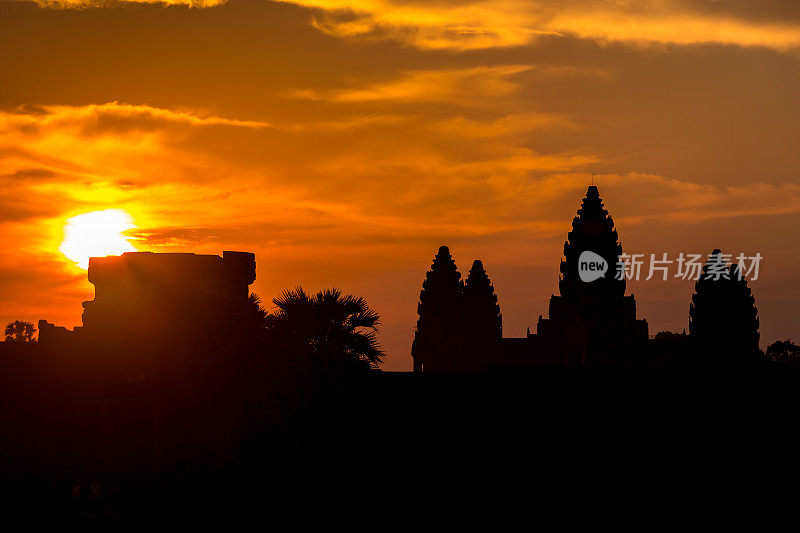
point(145, 294)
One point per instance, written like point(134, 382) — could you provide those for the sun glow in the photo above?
point(96, 234)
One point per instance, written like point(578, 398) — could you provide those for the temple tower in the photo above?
point(723, 318)
point(483, 322)
point(437, 340)
point(591, 322)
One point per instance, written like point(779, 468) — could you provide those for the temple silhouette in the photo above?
point(589, 323)
point(723, 318)
point(146, 298)
point(179, 392)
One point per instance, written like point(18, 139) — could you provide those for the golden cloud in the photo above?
point(80, 4)
point(94, 115)
point(483, 24)
point(452, 86)
point(107, 154)
point(490, 23)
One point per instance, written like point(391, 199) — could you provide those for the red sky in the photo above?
point(343, 142)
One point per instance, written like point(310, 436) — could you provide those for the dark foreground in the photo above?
point(402, 442)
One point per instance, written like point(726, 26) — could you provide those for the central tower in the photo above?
point(591, 322)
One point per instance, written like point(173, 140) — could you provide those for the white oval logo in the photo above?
point(591, 266)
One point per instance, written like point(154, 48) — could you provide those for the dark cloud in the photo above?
point(29, 174)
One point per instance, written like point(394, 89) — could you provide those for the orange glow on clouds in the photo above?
point(481, 24)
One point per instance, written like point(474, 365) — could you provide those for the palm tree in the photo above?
point(20, 331)
point(331, 327)
point(257, 314)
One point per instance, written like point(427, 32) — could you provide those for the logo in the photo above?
point(591, 266)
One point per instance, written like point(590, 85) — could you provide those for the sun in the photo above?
point(96, 234)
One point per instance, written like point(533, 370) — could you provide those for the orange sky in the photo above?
point(343, 142)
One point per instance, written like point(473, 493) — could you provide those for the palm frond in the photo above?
point(365, 319)
point(331, 324)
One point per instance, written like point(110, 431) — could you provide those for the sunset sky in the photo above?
point(344, 141)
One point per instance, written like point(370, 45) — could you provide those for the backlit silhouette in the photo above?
point(723, 317)
point(483, 323)
point(281, 262)
point(438, 339)
point(19, 331)
point(334, 330)
point(588, 324)
point(180, 371)
point(785, 352)
point(143, 296)
point(591, 323)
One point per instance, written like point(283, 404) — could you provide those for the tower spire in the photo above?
point(592, 321)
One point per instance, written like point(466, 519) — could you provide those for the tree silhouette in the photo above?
point(439, 325)
point(20, 331)
point(784, 352)
point(258, 316)
point(332, 328)
point(723, 318)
